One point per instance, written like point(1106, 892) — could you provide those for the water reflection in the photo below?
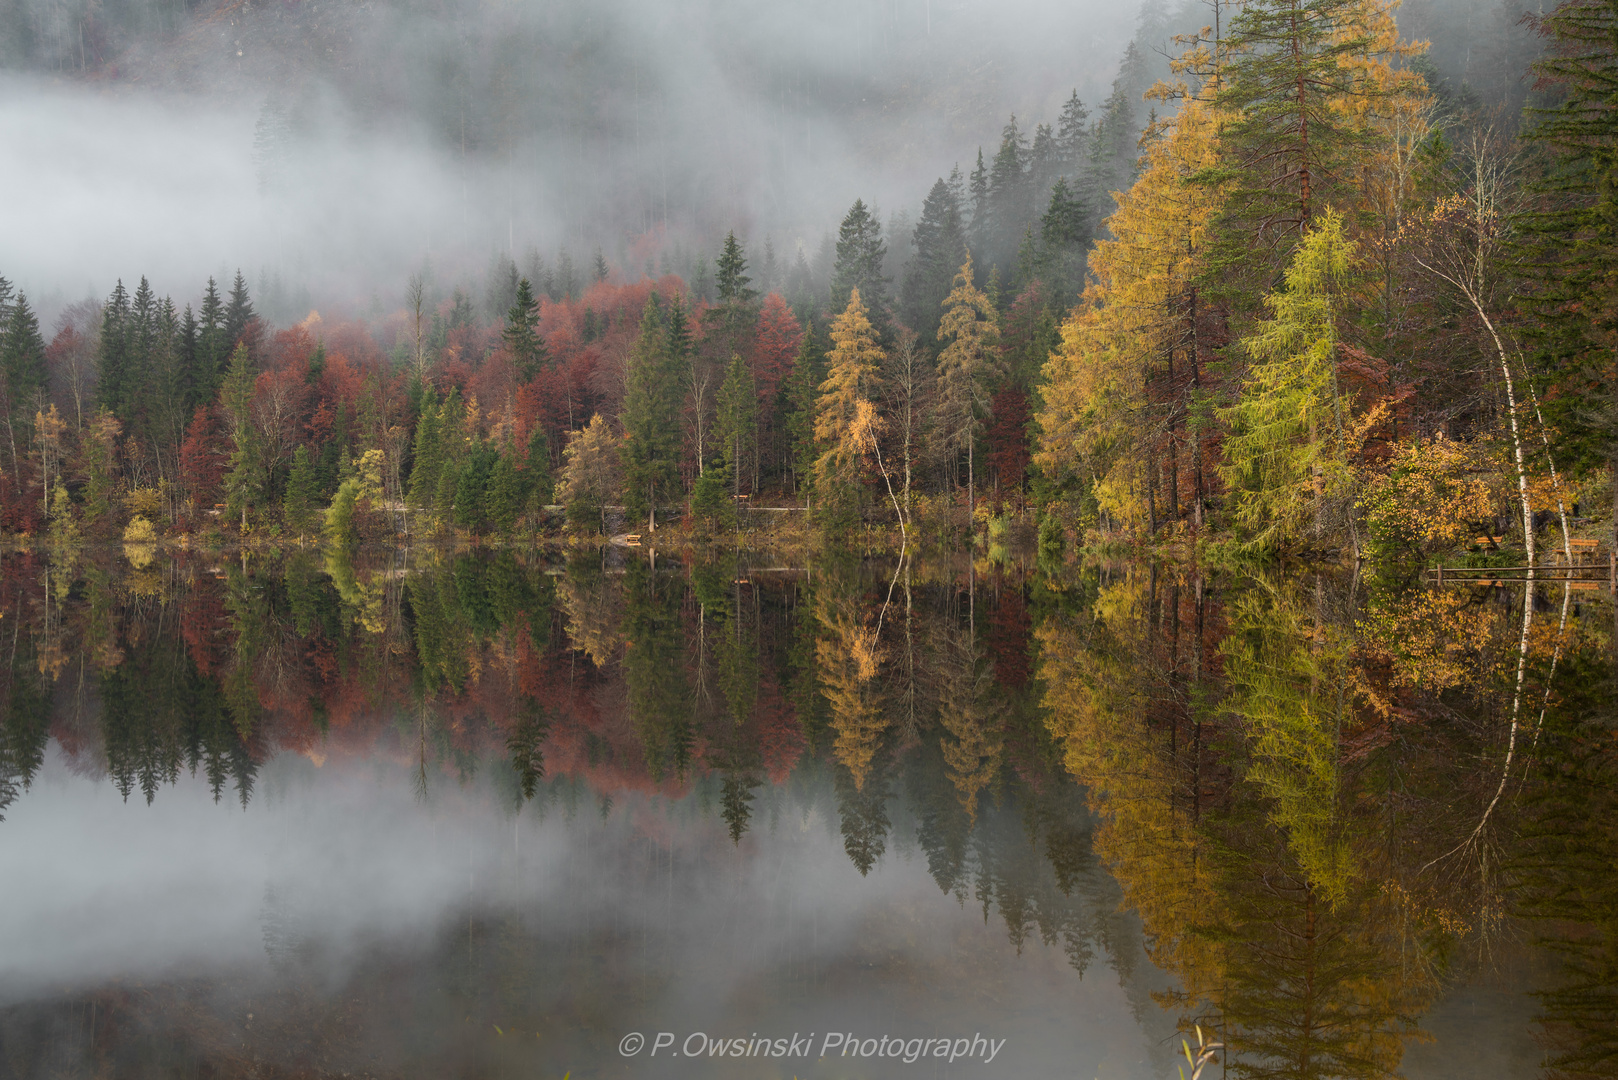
point(500, 794)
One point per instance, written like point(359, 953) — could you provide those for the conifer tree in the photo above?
point(244, 480)
point(853, 370)
point(1571, 233)
point(22, 354)
point(731, 278)
point(537, 468)
point(428, 456)
point(737, 419)
point(521, 334)
point(239, 318)
point(1287, 456)
point(213, 348)
point(939, 247)
point(1072, 136)
point(506, 495)
point(302, 498)
point(802, 391)
point(22, 369)
point(860, 254)
point(1291, 142)
point(970, 326)
point(978, 236)
point(651, 416)
point(112, 349)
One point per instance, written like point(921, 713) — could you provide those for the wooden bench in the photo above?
point(1487, 541)
point(632, 539)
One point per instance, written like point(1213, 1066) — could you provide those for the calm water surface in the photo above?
point(496, 815)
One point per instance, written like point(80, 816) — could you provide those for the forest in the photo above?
point(1298, 290)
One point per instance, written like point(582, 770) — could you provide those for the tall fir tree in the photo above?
point(938, 249)
point(860, 254)
point(521, 334)
point(651, 416)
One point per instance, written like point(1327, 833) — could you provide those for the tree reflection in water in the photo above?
point(1298, 785)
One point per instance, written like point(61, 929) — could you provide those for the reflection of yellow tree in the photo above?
point(594, 610)
point(1096, 706)
point(1290, 686)
point(973, 743)
point(1256, 895)
point(848, 661)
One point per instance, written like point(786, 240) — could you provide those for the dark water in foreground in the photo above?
point(493, 815)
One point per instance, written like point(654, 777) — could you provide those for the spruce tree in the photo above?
point(977, 231)
point(428, 456)
point(970, 326)
point(213, 348)
point(1292, 146)
point(506, 496)
point(1007, 200)
point(537, 466)
point(938, 249)
point(1072, 136)
point(521, 335)
point(860, 254)
point(239, 317)
point(651, 416)
point(731, 278)
point(802, 392)
point(112, 350)
point(1571, 234)
point(302, 495)
point(22, 356)
point(244, 481)
point(737, 420)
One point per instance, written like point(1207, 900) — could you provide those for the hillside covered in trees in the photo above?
point(1318, 284)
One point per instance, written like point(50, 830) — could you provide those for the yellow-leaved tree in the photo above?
point(853, 369)
point(1124, 403)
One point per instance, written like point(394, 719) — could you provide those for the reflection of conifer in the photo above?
point(526, 745)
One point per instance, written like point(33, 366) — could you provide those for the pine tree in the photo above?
point(970, 327)
point(521, 335)
point(860, 254)
point(600, 268)
point(298, 507)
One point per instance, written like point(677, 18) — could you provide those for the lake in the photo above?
point(632, 814)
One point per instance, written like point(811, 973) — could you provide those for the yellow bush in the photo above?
point(1430, 498)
